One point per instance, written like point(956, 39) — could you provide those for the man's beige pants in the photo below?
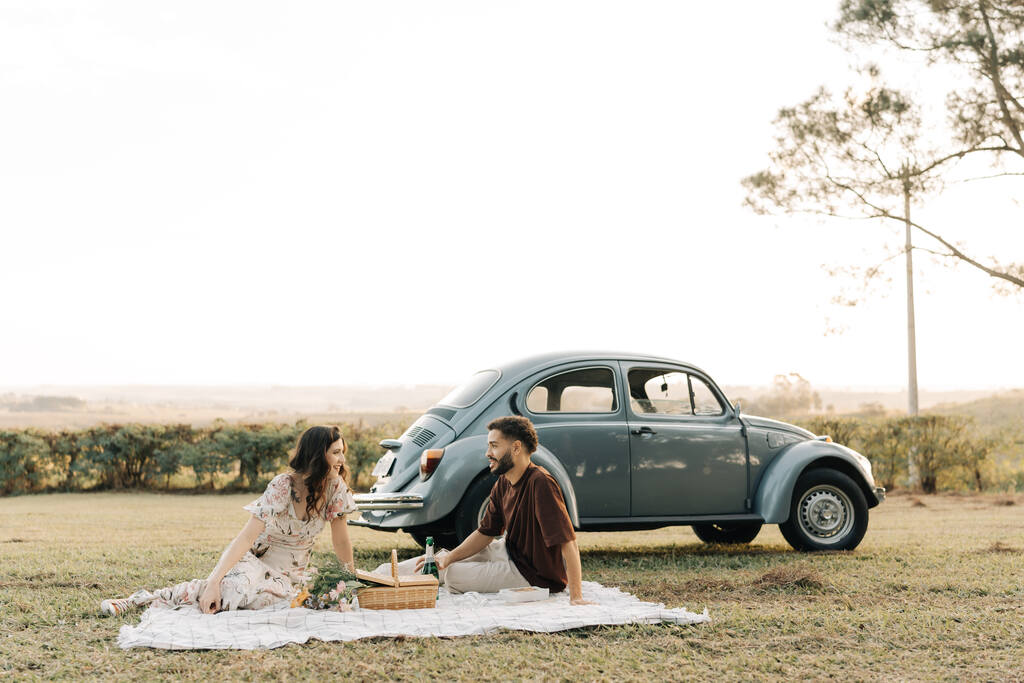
point(488, 571)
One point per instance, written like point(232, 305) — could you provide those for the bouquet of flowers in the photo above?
point(330, 587)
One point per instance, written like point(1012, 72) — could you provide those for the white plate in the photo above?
point(531, 594)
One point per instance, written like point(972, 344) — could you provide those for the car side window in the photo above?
point(704, 400)
point(661, 392)
point(587, 390)
point(664, 394)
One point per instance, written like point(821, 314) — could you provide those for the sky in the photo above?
point(395, 193)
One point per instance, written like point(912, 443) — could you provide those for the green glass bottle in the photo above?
point(429, 565)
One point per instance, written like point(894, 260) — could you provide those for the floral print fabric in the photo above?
point(277, 561)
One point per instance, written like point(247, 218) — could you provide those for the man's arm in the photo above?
point(473, 544)
point(574, 572)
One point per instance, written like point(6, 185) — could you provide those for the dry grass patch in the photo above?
point(793, 576)
point(1000, 547)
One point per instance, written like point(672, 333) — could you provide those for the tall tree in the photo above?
point(980, 46)
point(856, 156)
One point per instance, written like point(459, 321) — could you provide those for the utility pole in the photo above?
point(911, 337)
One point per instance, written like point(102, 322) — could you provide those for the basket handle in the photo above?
point(394, 565)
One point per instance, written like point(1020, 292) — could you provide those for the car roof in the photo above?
point(519, 367)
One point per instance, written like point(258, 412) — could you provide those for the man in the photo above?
point(539, 548)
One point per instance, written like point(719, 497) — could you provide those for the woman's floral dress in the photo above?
point(277, 560)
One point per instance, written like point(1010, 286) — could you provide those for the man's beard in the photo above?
point(504, 464)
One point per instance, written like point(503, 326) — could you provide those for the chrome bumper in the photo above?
point(388, 501)
point(879, 493)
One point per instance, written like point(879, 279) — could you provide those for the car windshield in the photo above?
point(470, 391)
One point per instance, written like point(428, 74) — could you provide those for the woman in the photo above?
point(269, 557)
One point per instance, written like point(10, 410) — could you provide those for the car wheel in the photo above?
point(727, 532)
point(474, 503)
point(828, 512)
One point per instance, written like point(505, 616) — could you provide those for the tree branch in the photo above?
point(964, 257)
point(954, 251)
point(964, 152)
point(989, 177)
point(1001, 92)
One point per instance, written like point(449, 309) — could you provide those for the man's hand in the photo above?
point(440, 559)
point(578, 600)
point(574, 571)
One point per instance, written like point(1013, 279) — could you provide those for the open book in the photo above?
point(408, 580)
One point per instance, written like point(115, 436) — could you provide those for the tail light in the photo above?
point(429, 461)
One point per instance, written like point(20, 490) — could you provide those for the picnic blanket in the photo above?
point(455, 615)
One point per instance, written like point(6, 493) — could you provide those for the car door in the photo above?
point(578, 413)
point(686, 448)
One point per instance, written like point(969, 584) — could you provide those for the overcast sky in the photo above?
point(402, 192)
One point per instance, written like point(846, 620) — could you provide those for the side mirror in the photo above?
point(736, 406)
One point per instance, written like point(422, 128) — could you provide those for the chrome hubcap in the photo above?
point(826, 514)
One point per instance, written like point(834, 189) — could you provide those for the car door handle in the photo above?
point(640, 431)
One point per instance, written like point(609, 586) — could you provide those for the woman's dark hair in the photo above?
point(309, 460)
point(517, 429)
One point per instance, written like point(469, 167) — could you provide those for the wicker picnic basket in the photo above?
point(408, 592)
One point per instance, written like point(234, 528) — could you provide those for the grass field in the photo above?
point(934, 592)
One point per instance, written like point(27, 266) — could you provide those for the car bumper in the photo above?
point(880, 493)
point(388, 501)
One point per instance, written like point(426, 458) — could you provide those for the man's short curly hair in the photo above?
point(517, 429)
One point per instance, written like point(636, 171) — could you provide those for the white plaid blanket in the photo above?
point(455, 615)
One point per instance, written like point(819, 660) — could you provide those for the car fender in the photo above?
point(553, 465)
point(774, 495)
point(462, 463)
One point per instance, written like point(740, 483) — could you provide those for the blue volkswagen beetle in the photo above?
point(634, 442)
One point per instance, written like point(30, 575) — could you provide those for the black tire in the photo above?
point(470, 510)
point(441, 540)
point(727, 532)
point(828, 512)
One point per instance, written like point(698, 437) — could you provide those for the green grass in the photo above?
point(934, 592)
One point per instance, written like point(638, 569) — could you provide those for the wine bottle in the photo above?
point(429, 565)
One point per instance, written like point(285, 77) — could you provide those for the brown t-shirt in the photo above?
point(533, 516)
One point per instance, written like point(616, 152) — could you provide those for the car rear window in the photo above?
point(470, 391)
point(587, 390)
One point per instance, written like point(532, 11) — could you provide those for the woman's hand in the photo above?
point(209, 599)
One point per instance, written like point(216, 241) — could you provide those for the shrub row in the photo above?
point(948, 452)
point(144, 456)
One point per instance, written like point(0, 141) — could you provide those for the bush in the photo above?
point(257, 449)
point(844, 430)
point(948, 452)
point(22, 457)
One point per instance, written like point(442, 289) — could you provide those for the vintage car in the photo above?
point(634, 442)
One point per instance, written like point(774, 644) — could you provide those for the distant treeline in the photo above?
point(223, 456)
point(35, 404)
point(949, 452)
